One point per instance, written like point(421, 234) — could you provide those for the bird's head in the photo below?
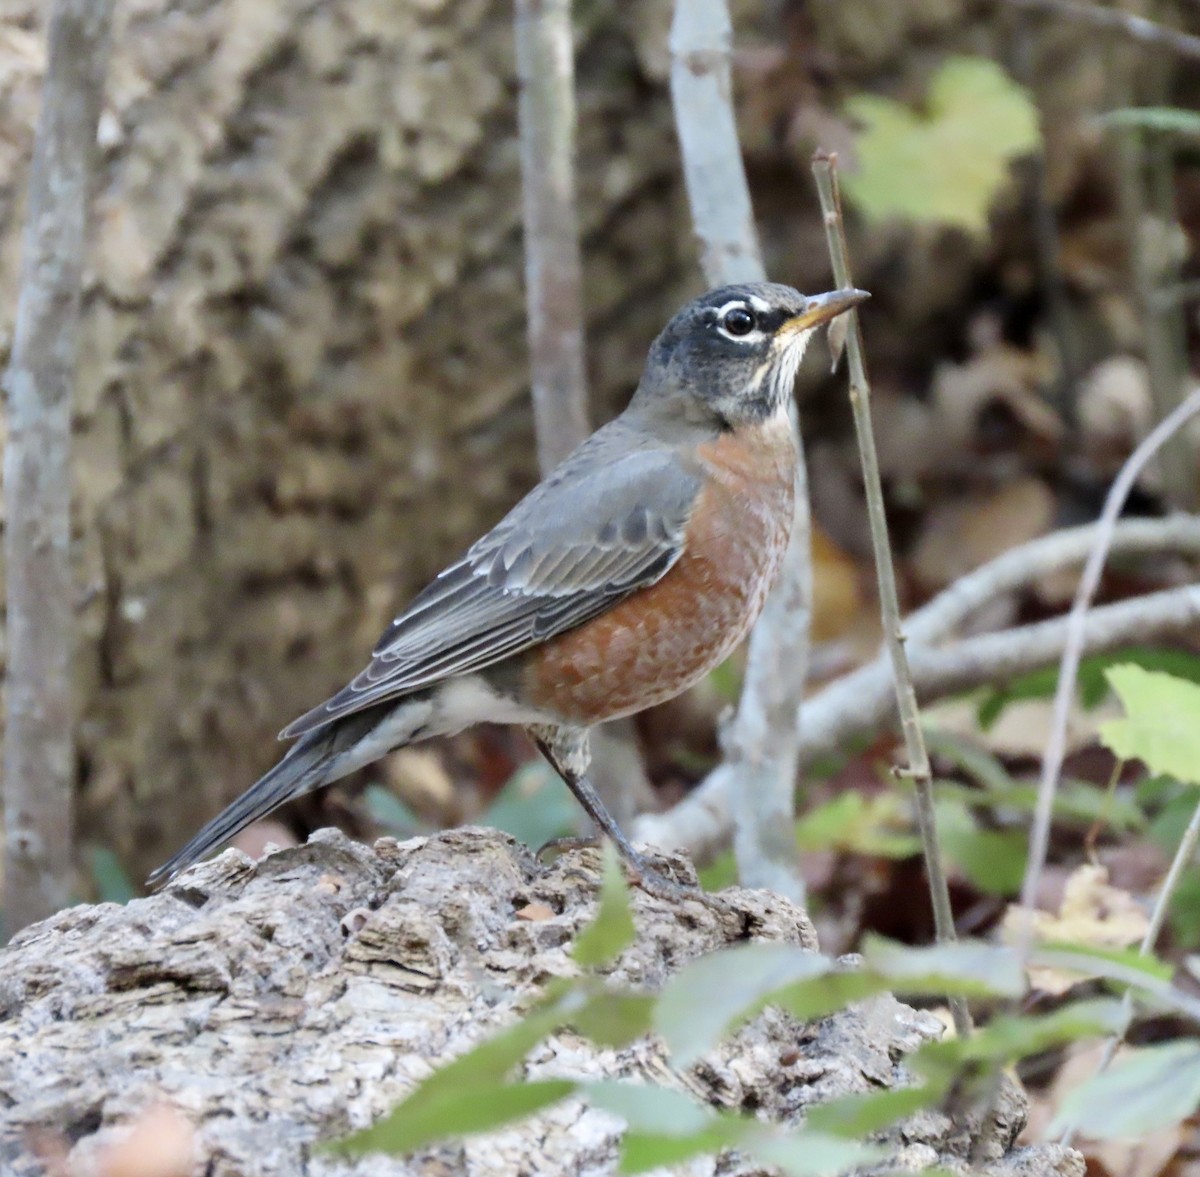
point(733, 352)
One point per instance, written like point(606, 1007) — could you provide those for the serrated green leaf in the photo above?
point(1155, 1088)
point(612, 931)
point(965, 967)
point(711, 994)
point(946, 165)
point(455, 1112)
point(1154, 118)
point(1161, 725)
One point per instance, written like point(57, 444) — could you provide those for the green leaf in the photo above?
point(1126, 965)
point(1154, 118)
point(856, 1116)
point(438, 1106)
point(964, 967)
point(612, 931)
point(806, 1153)
point(615, 1019)
point(859, 824)
point(646, 1107)
point(994, 860)
point(1092, 683)
point(388, 811)
point(1155, 1088)
point(534, 806)
point(1080, 802)
point(666, 1127)
point(1006, 1039)
point(711, 994)
point(1161, 726)
point(643, 1151)
point(720, 873)
point(453, 1113)
point(112, 883)
point(945, 166)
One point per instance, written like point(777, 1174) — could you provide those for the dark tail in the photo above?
point(303, 769)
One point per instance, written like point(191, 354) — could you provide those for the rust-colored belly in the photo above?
point(662, 639)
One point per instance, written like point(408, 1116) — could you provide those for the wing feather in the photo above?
point(610, 520)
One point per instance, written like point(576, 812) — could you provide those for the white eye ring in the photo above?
point(739, 312)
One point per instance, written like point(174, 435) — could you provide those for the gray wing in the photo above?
point(608, 521)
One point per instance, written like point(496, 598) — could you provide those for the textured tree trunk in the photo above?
point(278, 1006)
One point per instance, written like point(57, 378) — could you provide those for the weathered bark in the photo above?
point(287, 1003)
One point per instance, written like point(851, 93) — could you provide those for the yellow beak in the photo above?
point(821, 308)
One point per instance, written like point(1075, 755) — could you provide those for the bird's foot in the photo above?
point(641, 874)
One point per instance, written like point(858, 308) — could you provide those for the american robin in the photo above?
point(620, 580)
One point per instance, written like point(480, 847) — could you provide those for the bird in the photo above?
point(633, 569)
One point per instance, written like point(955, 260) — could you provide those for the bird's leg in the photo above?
point(569, 755)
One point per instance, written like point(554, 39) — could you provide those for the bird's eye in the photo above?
point(738, 321)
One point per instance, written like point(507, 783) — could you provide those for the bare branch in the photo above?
point(701, 91)
point(761, 743)
point(39, 748)
point(825, 171)
point(1113, 20)
point(862, 701)
point(553, 271)
point(1089, 582)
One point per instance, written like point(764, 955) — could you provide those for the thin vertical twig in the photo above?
point(1068, 672)
point(762, 742)
point(553, 269)
point(554, 294)
point(918, 768)
point(39, 767)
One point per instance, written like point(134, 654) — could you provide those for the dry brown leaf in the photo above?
point(1093, 913)
point(255, 839)
point(535, 912)
point(837, 599)
point(1115, 411)
point(420, 778)
point(161, 1142)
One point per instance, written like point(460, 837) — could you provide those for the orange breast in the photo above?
point(664, 638)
